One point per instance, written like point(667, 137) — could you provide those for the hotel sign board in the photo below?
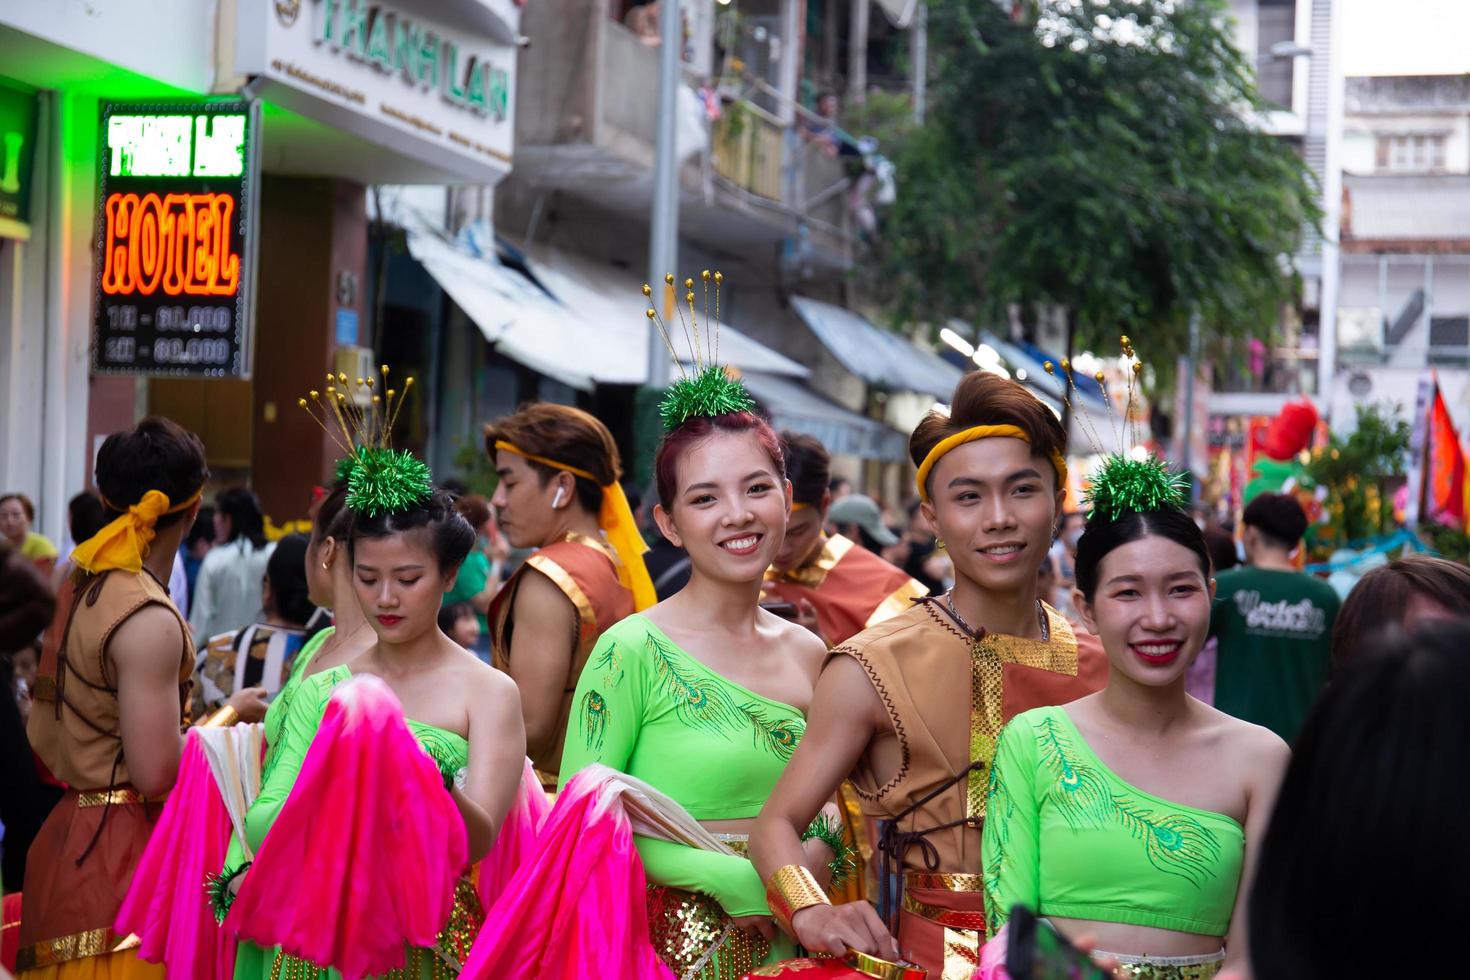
point(175, 236)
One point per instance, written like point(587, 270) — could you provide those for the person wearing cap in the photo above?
point(839, 587)
point(860, 518)
point(559, 493)
point(910, 709)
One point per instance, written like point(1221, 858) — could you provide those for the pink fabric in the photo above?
point(364, 855)
point(993, 958)
point(166, 906)
point(515, 844)
point(579, 909)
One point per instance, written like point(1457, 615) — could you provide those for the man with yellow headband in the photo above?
point(909, 709)
point(559, 493)
point(109, 705)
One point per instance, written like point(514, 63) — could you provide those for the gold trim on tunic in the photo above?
point(62, 949)
point(989, 653)
point(964, 919)
point(961, 954)
point(902, 598)
point(563, 580)
point(944, 882)
point(115, 797)
point(814, 572)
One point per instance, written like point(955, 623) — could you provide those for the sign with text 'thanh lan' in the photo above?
point(176, 196)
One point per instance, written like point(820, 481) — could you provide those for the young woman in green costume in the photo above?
point(704, 695)
point(405, 545)
point(329, 581)
point(1134, 815)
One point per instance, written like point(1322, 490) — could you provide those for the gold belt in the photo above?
point(115, 797)
point(943, 882)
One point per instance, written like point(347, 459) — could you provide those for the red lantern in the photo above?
point(1291, 431)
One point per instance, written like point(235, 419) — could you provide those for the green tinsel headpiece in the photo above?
point(1124, 485)
point(711, 390)
point(709, 393)
point(379, 478)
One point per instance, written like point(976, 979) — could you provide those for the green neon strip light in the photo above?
point(179, 145)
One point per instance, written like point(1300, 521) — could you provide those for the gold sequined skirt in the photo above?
point(696, 939)
point(1167, 967)
point(442, 961)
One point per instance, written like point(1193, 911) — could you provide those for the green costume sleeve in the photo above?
point(302, 721)
point(608, 712)
point(1009, 853)
point(730, 880)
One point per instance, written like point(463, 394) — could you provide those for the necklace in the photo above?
point(1040, 617)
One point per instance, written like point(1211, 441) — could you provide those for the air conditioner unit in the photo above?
point(356, 362)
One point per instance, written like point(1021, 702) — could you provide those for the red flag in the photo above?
point(1444, 476)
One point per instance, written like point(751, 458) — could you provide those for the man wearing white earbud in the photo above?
point(559, 493)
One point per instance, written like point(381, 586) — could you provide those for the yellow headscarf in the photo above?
point(616, 521)
point(970, 435)
point(125, 542)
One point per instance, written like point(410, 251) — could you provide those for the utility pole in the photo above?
point(920, 60)
point(663, 231)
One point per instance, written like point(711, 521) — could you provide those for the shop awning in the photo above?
point(792, 405)
point(878, 356)
point(577, 330)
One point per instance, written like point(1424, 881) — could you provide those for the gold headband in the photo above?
point(981, 432)
point(125, 542)
point(616, 520)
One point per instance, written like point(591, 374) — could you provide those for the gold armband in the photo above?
point(790, 890)
point(223, 718)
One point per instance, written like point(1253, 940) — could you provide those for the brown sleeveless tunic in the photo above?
point(83, 859)
point(586, 572)
point(947, 694)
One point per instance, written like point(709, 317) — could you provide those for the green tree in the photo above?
point(1099, 156)
point(1361, 473)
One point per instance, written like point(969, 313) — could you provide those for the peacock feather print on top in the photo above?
point(1175, 843)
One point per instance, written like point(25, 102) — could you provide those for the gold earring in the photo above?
point(939, 544)
point(326, 566)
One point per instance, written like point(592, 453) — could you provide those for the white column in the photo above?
point(788, 72)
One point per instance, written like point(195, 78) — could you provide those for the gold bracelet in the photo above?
point(223, 718)
point(790, 890)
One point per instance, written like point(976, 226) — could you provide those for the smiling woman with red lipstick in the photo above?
point(704, 695)
point(1132, 815)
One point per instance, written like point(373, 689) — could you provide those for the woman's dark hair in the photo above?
point(242, 507)
point(26, 506)
point(982, 398)
point(203, 529)
point(333, 519)
point(286, 571)
point(1100, 537)
point(1381, 598)
point(156, 454)
point(567, 435)
point(453, 613)
point(475, 508)
point(1222, 550)
point(1371, 788)
point(84, 516)
point(808, 467)
point(450, 535)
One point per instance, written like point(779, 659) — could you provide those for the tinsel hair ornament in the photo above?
point(363, 858)
point(1130, 479)
point(359, 418)
point(706, 389)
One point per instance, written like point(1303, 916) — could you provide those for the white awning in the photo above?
point(591, 329)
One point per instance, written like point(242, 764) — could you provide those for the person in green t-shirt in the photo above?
point(1274, 623)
